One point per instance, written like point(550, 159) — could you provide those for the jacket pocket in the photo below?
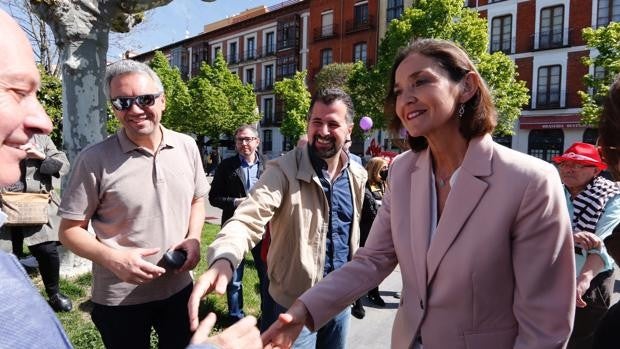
point(499, 338)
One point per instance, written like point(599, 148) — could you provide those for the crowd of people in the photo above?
point(497, 249)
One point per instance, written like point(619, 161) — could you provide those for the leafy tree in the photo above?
point(606, 40)
point(296, 99)
point(50, 96)
point(220, 101)
point(178, 114)
point(450, 20)
point(334, 75)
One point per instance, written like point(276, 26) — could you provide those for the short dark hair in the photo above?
point(609, 128)
point(480, 116)
point(330, 95)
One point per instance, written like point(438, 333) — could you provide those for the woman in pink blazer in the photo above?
point(480, 231)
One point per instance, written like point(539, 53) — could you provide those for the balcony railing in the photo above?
point(263, 85)
point(325, 32)
point(552, 39)
point(359, 24)
point(552, 100)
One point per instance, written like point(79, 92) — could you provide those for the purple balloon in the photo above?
point(365, 123)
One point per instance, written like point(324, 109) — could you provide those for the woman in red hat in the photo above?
point(594, 207)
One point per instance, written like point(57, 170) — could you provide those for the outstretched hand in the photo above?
point(242, 335)
point(286, 329)
point(214, 279)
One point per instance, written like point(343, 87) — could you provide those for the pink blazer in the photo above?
point(499, 272)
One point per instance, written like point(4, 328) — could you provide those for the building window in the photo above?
point(250, 47)
point(360, 13)
point(551, 27)
point(590, 135)
point(267, 140)
point(394, 9)
point(217, 51)
point(501, 34)
point(269, 76)
point(326, 57)
point(270, 46)
point(545, 144)
point(175, 57)
point(548, 90)
point(327, 24)
point(287, 66)
point(268, 110)
point(608, 11)
point(288, 33)
point(249, 76)
point(359, 52)
point(232, 53)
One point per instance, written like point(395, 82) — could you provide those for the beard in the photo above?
point(327, 153)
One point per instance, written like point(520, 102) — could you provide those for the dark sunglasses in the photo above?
point(143, 101)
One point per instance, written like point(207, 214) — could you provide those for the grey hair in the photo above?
point(128, 66)
point(330, 95)
point(246, 127)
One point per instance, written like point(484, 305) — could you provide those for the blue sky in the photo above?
point(170, 23)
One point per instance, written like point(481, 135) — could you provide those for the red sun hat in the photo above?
point(582, 153)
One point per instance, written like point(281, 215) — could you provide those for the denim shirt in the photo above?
point(340, 201)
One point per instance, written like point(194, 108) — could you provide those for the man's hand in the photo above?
point(192, 248)
point(242, 335)
point(587, 240)
point(129, 266)
point(286, 329)
point(216, 278)
point(32, 152)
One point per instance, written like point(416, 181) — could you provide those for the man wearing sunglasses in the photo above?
point(142, 190)
point(594, 207)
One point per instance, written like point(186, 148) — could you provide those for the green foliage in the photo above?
point(178, 115)
point(449, 20)
point(112, 124)
point(607, 41)
point(334, 75)
point(296, 99)
point(509, 94)
point(50, 96)
point(220, 101)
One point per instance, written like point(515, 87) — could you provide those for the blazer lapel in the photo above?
point(464, 197)
point(420, 219)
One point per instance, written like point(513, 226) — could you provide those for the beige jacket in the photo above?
point(288, 196)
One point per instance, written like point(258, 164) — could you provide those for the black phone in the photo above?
point(175, 258)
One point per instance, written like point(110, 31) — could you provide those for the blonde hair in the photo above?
point(373, 167)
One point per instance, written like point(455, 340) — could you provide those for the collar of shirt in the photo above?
point(320, 165)
point(167, 141)
point(245, 163)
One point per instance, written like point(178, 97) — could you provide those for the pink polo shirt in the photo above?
point(136, 199)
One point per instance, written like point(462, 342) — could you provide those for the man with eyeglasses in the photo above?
point(142, 190)
point(233, 180)
point(594, 206)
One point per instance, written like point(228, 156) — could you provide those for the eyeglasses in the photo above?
point(143, 101)
point(573, 166)
point(245, 140)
